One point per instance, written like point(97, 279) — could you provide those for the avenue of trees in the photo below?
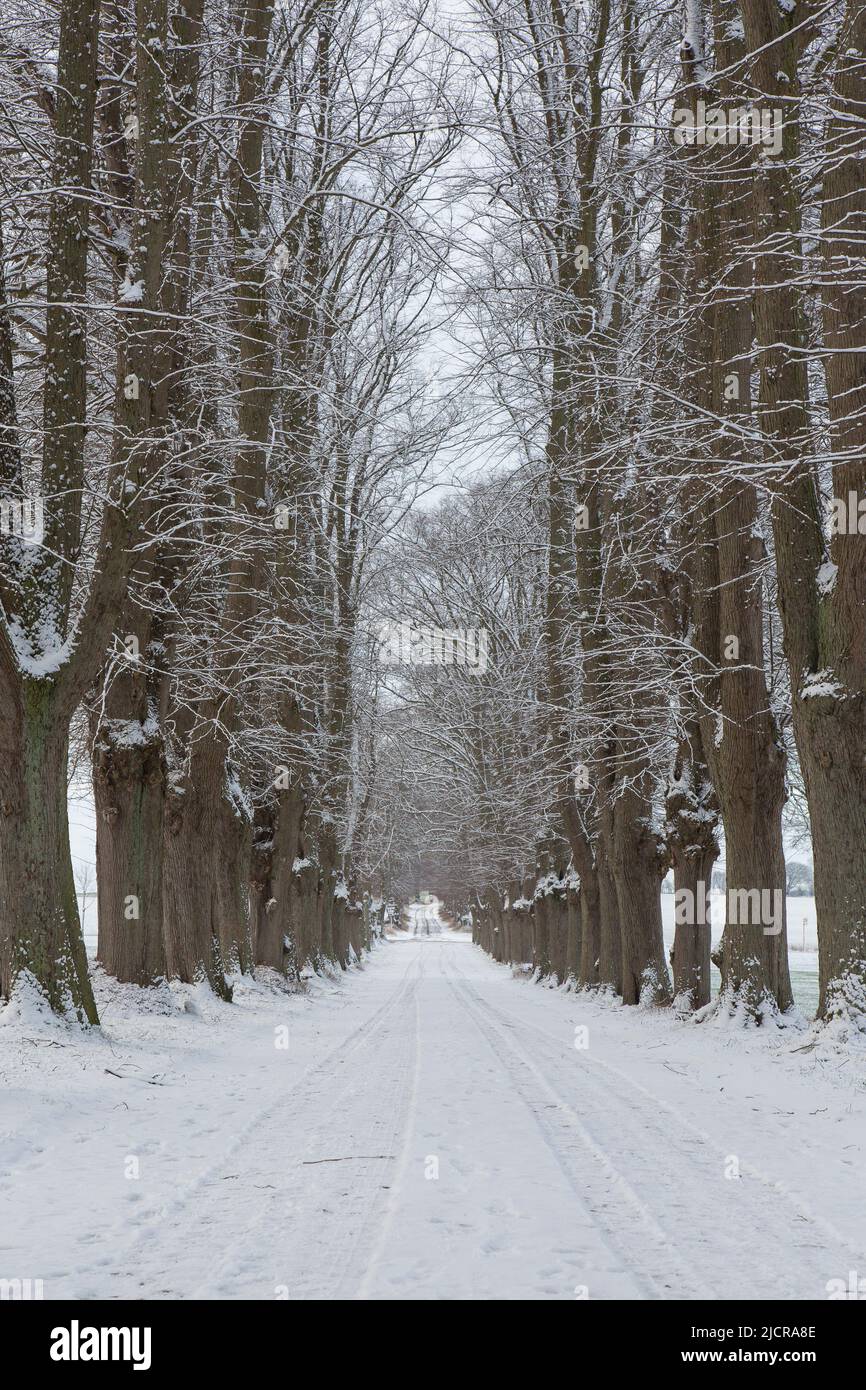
point(539, 320)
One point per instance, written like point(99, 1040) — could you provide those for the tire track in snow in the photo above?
point(375, 1259)
point(800, 1210)
point(150, 1225)
point(658, 1265)
point(390, 1115)
point(738, 1219)
point(363, 1110)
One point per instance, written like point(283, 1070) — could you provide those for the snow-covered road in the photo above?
point(435, 1128)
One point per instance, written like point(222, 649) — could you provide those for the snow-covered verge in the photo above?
point(744, 1145)
point(105, 1132)
point(428, 1126)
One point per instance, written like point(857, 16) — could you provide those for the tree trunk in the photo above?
point(231, 876)
point(542, 916)
point(129, 762)
point(209, 824)
point(610, 934)
point(691, 812)
point(590, 929)
point(741, 743)
point(327, 843)
point(40, 930)
point(637, 871)
point(284, 939)
point(194, 839)
point(831, 713)
point(754, 976)
point(824, 627)
point(129, 783)
point(574, 928)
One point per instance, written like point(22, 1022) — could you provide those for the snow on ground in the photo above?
point(424, 920)
point(435, 1128)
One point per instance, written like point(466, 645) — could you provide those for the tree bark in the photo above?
point(824, 626)
point(691, 812)
point(40, 930)
point(43, 676)
point(129, 796)
point(638, 869)
point(128, 755)
point(831, 725)
point(193, 909)
point(741, 743)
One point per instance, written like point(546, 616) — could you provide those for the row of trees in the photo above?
point(267, 265)
point(671, 333)
point(217, 269)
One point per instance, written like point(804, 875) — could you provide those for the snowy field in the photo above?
point(434, 1128)
point(802, 944)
